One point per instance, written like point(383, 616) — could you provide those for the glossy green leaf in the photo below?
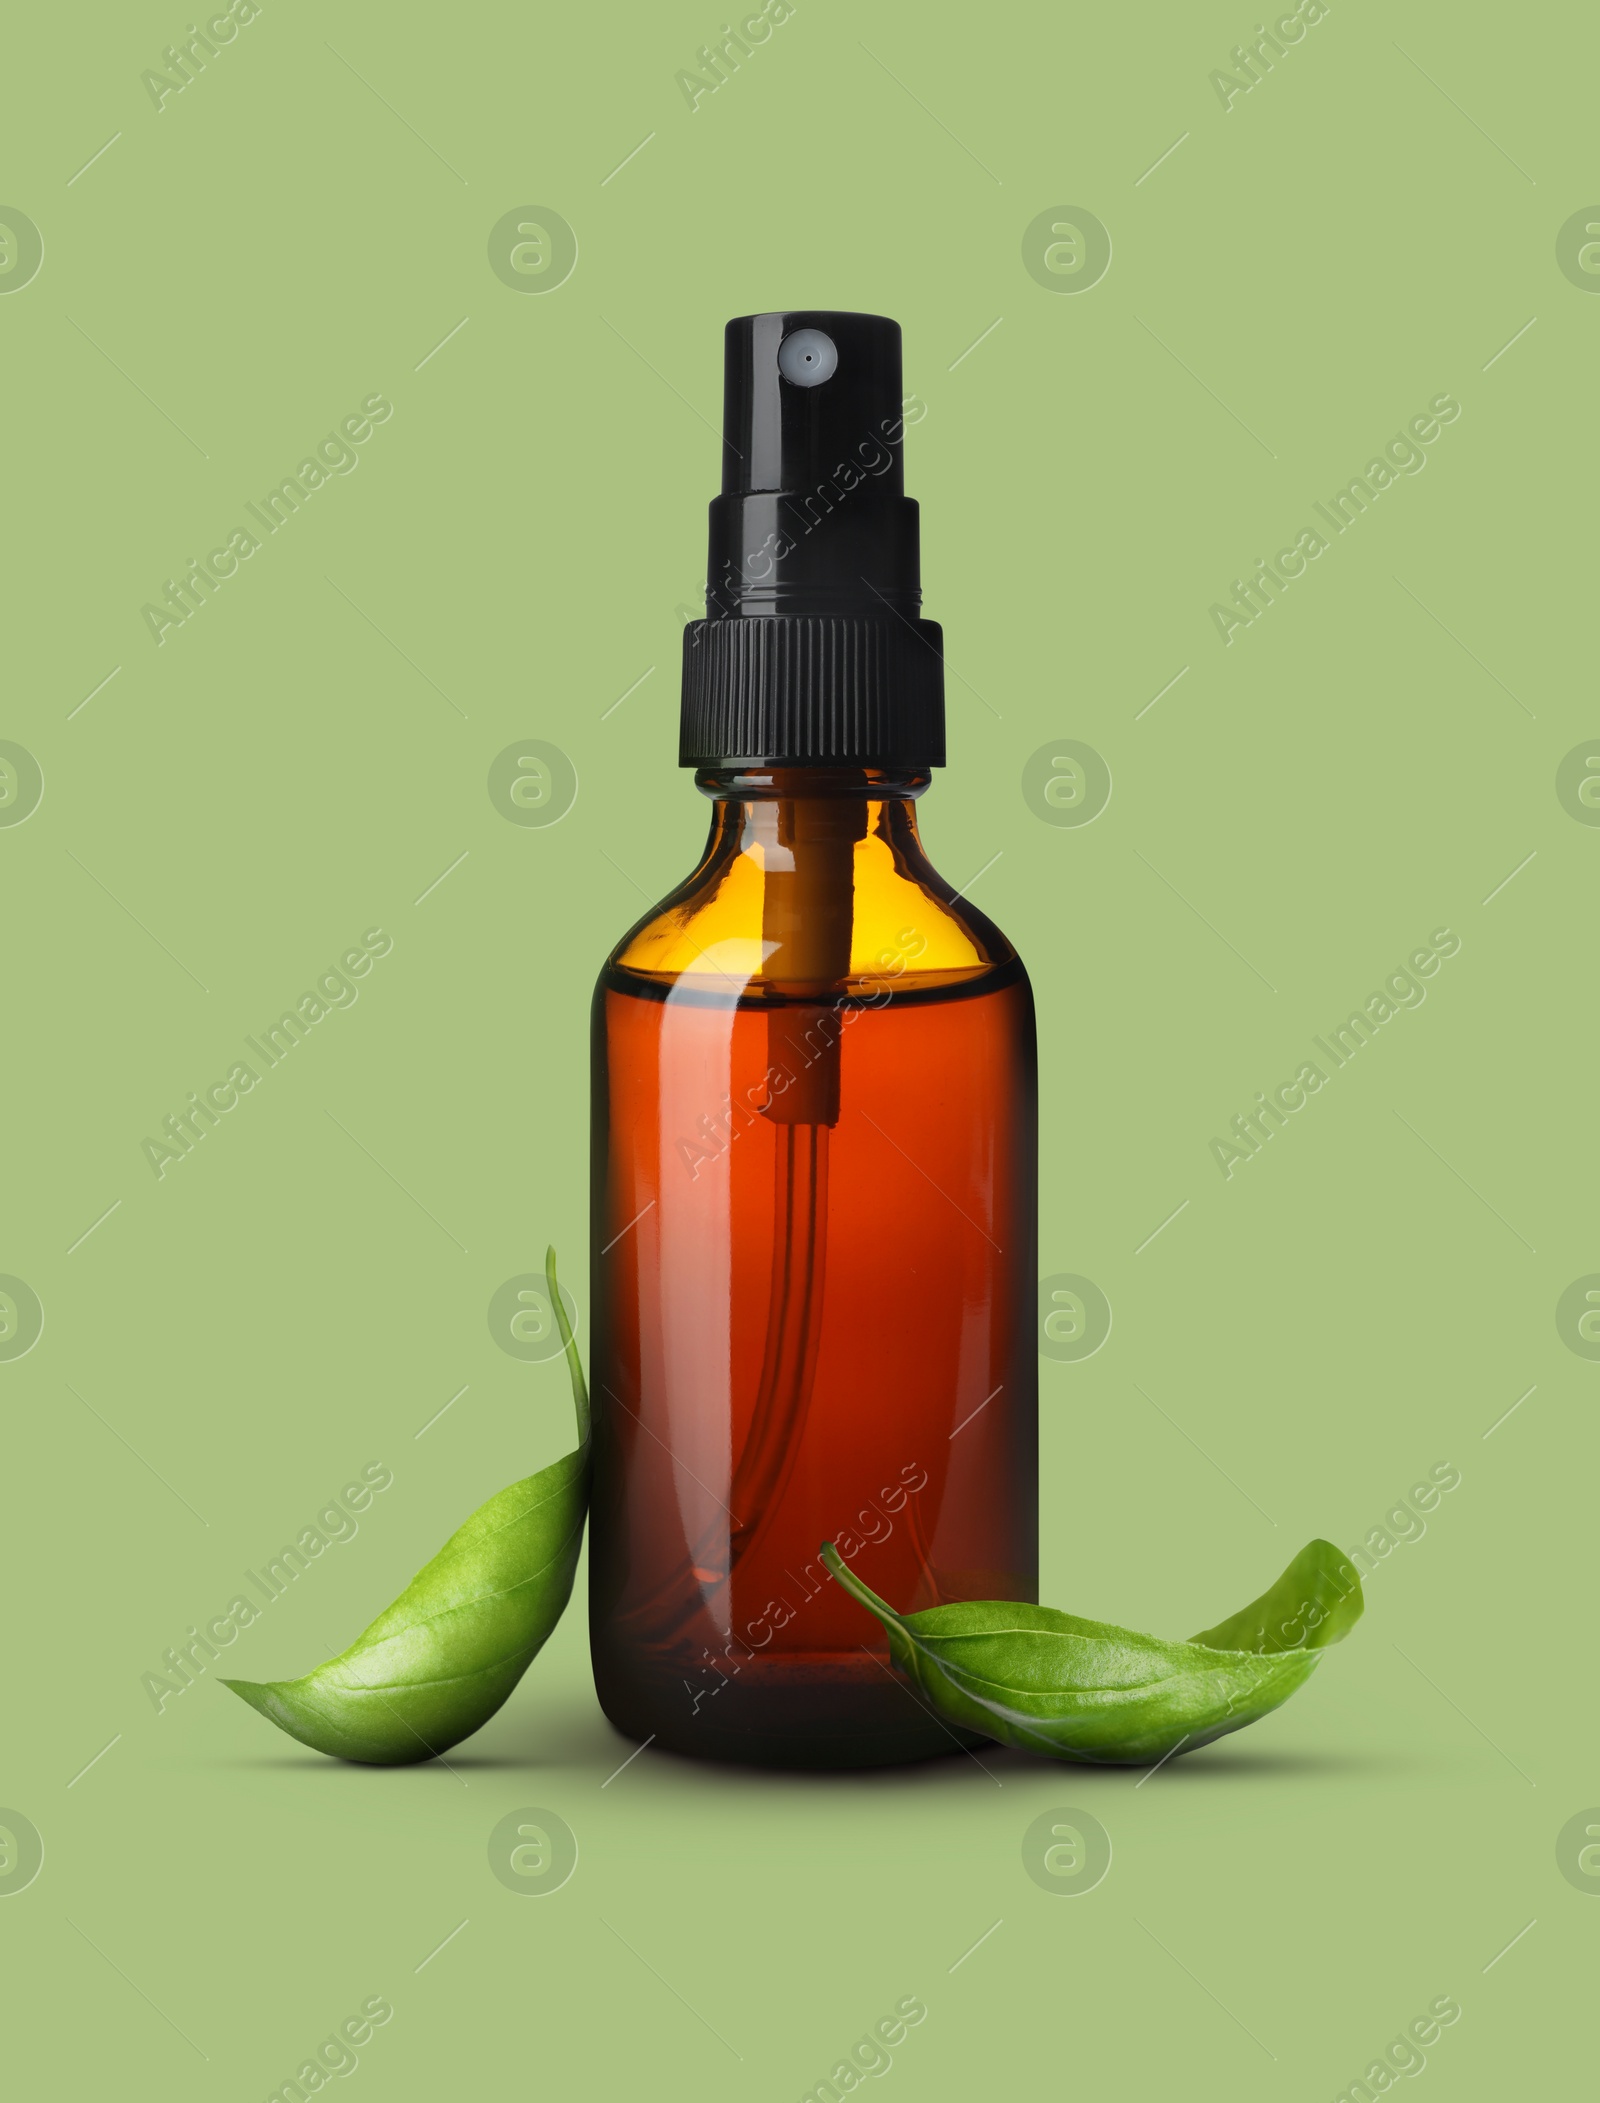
point(1317, 1601)
point(437, 1664)
point(1072, 1689)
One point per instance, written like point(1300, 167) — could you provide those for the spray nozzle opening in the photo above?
point(807, 357)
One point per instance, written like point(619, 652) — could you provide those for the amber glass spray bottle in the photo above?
point(814, 1111)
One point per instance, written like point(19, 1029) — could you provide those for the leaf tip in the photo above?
point(1352, 1602)
point(252, 1691)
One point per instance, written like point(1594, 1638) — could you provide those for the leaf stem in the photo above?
point(580, 1391)
point(862, 1594)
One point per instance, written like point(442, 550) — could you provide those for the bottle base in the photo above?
point(802, 1715)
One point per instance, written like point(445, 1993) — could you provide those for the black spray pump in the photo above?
point(814, 652)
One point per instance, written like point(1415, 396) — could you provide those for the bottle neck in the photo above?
point(796, 812)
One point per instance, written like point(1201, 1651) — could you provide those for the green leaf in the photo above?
point(580, 1389)
point(1317, 1601)
point(1071, 1689)
point(436, 1665)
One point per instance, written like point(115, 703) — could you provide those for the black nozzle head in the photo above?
point(813, 580)
point(801, 392)
point(813, 516)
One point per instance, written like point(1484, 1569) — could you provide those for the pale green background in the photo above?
point(1365, 229)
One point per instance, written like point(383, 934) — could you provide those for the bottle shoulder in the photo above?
point(907, 926)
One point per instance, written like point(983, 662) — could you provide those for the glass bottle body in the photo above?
point(814, 1262)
